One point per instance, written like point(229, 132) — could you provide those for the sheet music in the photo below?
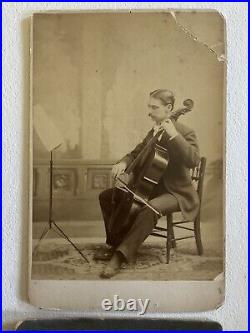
point(46, 129)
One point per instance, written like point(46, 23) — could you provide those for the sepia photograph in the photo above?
point(125, 165)
point(127, 116)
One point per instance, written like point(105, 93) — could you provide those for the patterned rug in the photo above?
point(61, 262)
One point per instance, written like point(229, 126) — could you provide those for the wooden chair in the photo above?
point(197, 176)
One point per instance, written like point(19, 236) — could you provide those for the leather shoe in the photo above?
point(113, 266)
point(109, 272)
point(105, 255)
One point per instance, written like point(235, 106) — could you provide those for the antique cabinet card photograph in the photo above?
point(127, 155)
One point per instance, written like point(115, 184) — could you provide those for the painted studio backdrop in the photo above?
point(92, 75)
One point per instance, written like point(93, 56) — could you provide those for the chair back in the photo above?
point(197, 176)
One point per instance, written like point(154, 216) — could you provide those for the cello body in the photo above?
point(142, 187)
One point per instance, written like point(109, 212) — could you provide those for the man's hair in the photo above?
point(166, 96)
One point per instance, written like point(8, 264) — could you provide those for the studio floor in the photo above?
point(57, 260)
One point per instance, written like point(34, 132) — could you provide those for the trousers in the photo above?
point(144, 222)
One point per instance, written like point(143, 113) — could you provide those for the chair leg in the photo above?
point(197, 233)
point(171, 229)
point(169, 236)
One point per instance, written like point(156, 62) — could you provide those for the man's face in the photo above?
point(157, 111)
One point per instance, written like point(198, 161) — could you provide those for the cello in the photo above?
point(137, 187)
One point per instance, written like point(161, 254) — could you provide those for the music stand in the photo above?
point(52, 139)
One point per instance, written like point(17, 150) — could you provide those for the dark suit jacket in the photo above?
point(183, 155)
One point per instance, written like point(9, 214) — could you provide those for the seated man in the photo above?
point(174, 192)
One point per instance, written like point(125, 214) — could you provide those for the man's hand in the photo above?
point(118, 169)
point(169, 127)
